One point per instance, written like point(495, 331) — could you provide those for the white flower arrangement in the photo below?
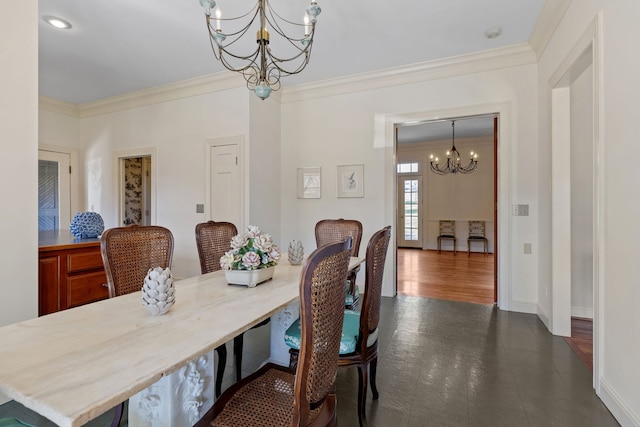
point(251, 251)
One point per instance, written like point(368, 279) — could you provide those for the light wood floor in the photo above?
point(445, 276)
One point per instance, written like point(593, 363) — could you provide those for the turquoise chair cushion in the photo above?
point(13, 422)
point(350, 329)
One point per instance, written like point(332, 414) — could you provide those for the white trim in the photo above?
point(117, 179)
point(582, 312)
point(76, 203)
point(504, 57)
point(552, 13)
point(589, 46)
point(384, 137)
point(617, 406)
point(60, 107)
point(529, 307)
point(500, 58)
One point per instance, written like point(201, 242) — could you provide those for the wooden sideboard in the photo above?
point(70, 272)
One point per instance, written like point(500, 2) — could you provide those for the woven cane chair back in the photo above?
point(336, 230)
point(129, 252)
point(374, 266)
point(321, 317)
point(213, 240)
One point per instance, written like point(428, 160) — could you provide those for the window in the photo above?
point(407, 167)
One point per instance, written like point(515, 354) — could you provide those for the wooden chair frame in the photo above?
point(336, 230)
point(127, 254)
point(261, 397)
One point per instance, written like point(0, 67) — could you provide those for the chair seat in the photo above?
point(477, 238)
point(348, 341)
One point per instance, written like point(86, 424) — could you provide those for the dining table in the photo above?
point(71, 366)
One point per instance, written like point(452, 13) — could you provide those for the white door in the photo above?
point(226, 185)
point(409, 211)
point(54, 190)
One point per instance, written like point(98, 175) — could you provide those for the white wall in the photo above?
point(582, 195)
point(19, 173)
point(177, 130)
point(346, 136)
point(264, 166)
point(617, 293)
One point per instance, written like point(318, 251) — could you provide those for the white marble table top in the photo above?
point(74, 365)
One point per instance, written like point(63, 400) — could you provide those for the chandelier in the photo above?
point(262, 68)
point(453, 159)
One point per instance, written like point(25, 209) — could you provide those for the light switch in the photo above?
point(199, 208)
point(527, 248)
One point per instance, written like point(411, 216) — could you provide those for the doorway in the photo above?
point(225, 180)
point(54, 190)
point(455, 196)
point(136, 208)
point(136, 178)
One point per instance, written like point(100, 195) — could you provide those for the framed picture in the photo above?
point(309, 183)
point(350, 181)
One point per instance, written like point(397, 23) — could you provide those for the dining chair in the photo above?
point(127, 254)
point(279, 396)
point(359, 342)
point(476, 234)
point(336, 230)
point(447, 232)
point(213, 240)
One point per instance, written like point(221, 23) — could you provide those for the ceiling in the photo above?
point(120, 46)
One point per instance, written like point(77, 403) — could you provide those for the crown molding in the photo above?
point(510, 56)
point(552, 13)
point(170, 92)
point(60, 107)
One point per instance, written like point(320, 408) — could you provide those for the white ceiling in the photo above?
point(119, 46)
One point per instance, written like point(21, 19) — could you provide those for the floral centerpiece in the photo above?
point(254, 252)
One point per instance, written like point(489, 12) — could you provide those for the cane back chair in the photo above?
point(359, 342)
point(277, 396)
point(127, 254)
point(213, 240)
point(336, 230)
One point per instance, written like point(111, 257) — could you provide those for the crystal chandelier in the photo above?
point(453, 159)
point(262, 68)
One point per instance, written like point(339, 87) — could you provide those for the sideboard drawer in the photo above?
point(86, 288)
point(84, 261)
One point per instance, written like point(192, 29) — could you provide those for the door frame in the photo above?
point(385, 137)
point(75, 193)
point(118, 178)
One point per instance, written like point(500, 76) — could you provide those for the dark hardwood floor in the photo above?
point(469, 278)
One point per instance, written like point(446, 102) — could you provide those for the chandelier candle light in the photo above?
point(262, 69)
point(453, 159)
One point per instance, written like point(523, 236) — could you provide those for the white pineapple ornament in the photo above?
point(296, 252)
point(158, 291)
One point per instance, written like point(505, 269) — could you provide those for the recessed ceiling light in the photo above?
point(493, 32)
point(54, 21)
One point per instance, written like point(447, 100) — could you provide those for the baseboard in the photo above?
point(582, 312)
point(524, 307)
point(545, 319)
point(622, 413)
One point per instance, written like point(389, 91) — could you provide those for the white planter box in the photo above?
point(249, 278)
